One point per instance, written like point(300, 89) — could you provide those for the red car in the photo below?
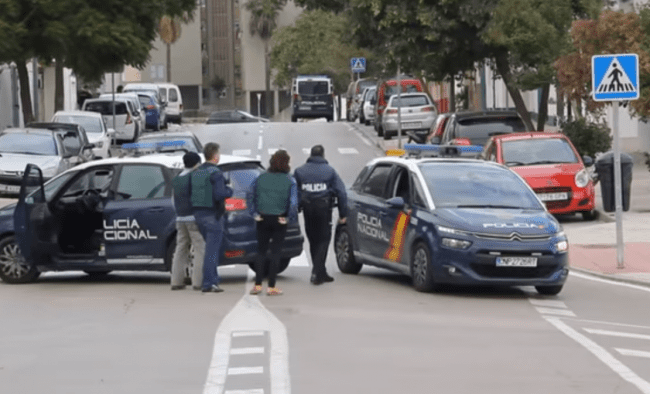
point(552, 167)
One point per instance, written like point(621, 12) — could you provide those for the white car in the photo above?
point(125, 126)
point(367, 113)
point(171, 94)
point(96, 130)
point(417, 114)
point(136, 107)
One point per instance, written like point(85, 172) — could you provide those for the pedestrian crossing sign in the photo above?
point(358, 64)
point(615, 77)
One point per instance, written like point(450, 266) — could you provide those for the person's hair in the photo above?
point(318, 150)
point(210, 150)
point(280, 162)
point(190, 159)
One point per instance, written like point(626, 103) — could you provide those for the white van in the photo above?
point(172, 95)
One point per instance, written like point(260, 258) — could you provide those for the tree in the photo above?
point(169, 30)
point(263, 23)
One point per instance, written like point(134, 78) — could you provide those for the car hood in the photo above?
point(499, 221)
point(95, 137)
point(549, 175)
point(17, 162)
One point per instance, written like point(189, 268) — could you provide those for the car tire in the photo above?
point(380, 131)
point(348, 116)
point(590, 215)
point(421, 274)
point(13, 266)
point(294, 119)
point(284, 264)
point(387, 135)
point(367, 122)
point(169, 253)
point(344, 253)
point(549, 290)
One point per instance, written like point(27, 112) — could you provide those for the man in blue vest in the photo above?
point(318, 184)
point(209, 193)
point(187, 233)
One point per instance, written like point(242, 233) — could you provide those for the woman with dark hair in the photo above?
point(273, 200)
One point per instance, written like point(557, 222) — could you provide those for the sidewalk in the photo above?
point(592, 247)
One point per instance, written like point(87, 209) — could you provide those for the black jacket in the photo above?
point(318, 180)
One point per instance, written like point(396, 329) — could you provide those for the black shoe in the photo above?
point(328, 279)
point(316, 280)
point(212, 289)
point(179, 287)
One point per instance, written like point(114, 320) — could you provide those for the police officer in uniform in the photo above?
point(318, 184)
point(209, 193)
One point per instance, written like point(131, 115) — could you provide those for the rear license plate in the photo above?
point(411, 125)
point(304, 108)
point(516, 261)
point(9, 188)
point(553, 196)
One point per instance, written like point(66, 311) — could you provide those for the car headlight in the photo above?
point(449, 230)
point(582, 178)
point(563, 245)
point(456, 243)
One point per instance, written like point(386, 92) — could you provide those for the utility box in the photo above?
point(605, 170)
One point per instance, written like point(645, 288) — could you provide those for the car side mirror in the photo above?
point(396, 202)
point(588, 161)
point(110, 132)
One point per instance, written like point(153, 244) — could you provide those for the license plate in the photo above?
point(411, 125)
point(553, 196)
point(10, 188)
point(516, 261)
point(304, 108)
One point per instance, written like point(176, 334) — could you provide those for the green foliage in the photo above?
point(264, 16)
point(588, 138)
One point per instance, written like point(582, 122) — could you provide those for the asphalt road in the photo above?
point(365, 333)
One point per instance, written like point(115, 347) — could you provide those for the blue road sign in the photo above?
point(358, 64)
point(615, 77)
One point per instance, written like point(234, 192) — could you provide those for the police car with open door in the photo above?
point(118, 214)
point(450, 220)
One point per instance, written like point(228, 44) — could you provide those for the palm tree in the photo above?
point(263, 22)
point(169, 30)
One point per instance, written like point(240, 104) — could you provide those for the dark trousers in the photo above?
point(318, 226)
point(269, 233)
point(211, 229)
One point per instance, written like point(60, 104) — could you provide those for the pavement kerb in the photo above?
point(610, 277)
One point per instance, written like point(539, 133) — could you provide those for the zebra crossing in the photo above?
point(305, 151)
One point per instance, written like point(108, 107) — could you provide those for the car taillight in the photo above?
point(234, 253)
point(128, 119)
point(296, 97)
point(180, 107)
point(427, 109)
point(150, 106)
point(391, 111)
point(461, 141)
point(235, 204)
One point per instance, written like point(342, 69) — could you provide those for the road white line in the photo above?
point(634, 353)
point(259, 143)
point(611, 323)
point(300, 261)
point(363, 138)
point(254, 391)
point(602, 354)
point(239, 334)
point(553, 311)
point(245, 370)
point(548, 303)
point(241, 152)
point(617, 334)
point(611, 282)
point(247, 350)
point(348, 151)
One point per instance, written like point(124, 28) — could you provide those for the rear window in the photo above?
point(241, 175)
point(30, 144)
point(90, 124)
point(406, 88)
point(537, 151)
point(145, 100)
point(479, 130)
point(313, 87)
point(412, 101)
point(365, 84)
point(106, 107)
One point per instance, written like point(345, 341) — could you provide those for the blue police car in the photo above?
point(450, 220)
point(117, 214)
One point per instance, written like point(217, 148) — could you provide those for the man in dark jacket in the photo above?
point(318, 184)
point(209, 193)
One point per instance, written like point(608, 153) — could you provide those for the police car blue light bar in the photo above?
point(442, 150)
point(152, 145)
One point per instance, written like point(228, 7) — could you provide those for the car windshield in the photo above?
point(106, 107)
point(365, 84)
point(409, 101)
point(369, 94)
point(28, 143)
point(313, 87)
point(457, 185)
point(537, 151)
point(479, 130)
point(145, 100)
point(90, 124)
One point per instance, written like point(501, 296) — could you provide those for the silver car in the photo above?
point(417, 113)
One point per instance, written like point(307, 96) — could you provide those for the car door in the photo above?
point(141, 219)
point(396, 219)
point(370, 213)
point(71, 146)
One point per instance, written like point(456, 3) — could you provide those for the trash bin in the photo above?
point(605, 170)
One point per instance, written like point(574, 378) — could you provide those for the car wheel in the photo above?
point(549, 290)
point(284, 264)
point(348, 116)
point(367, 122)
point(169, 254)
point(13, 266)
point(387, 135)
point(380, 131)
point(590, 215)
point(293, 119)
point(421, 269)
point(344, 253)
point(361, 119)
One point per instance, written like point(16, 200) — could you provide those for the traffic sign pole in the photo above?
point(618, 196)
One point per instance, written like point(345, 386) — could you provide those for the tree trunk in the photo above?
point(169, 62)
point(543, 107)
point(25, 97)
point(58, 85)
point(452, 94)
point(503, 66)
point(267, 80)
point(569, 112)
point(560, 105)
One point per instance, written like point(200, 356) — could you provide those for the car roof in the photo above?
point(168, 134)
point(90, 114)
point(105, 100)
point(53, 126)
point(27, 130)
point(412, 163)
point(528, 135)
point(485, 114)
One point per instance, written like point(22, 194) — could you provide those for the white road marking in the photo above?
point(259, 143)
point(247, 350)
point(254, 391)
point(617, 334)
point(611, 282)
point(239, 334)
point(241, 152)
point(602, 354)
point(553, 311)
point(363, 138)
point(633, 353)
point(348, 151)
point(548, 303)
point(245, 370)
point(611, 323)
point(306, 151)
point(300, 261)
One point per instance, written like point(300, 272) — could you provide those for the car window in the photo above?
point(479, 130)
point(369, 94)
point(97, 179)
point(410, 101)
point(90, 123)
point(454, 185)
point(141, 181)
point(173, 95)
point(106, 107)
point(145, 100)
point(163, 93)
point(241, 175)
point(30, 144)
point(537, 151)
point(313, 87)
point(377, 180)
point(360, 177)
point(402, 187)
point(70, 142)
point(406, 87)
point(418, 193)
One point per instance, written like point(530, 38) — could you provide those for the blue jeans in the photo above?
point(212, 230)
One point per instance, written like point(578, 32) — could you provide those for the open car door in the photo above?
point(33, 219)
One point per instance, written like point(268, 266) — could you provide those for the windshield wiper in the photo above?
point(515, 163)
point(488, 206)
point(544, 162)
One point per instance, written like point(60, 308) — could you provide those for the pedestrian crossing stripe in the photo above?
point(615, 77)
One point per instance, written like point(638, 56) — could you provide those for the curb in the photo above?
point(610, 277)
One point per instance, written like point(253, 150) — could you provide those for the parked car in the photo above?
point(137, 111)
point(417, 113)
point(117, 214)
point(368, 98)
point(552, 167)
point(435, 135)
point(125, 127)
point(152, 109)
point(388, 88)
point(170, 142)
point(353, 96)
point(54, 149)
point(161, 105)
point(171, 94)
point(233, 116)
point(474, 128)
point(94, 125)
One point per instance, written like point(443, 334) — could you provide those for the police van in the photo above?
point(450, 220)
point(312, 96)
point(118, 214)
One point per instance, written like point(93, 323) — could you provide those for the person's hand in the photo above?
point(342, 220)
point(257, 218)
point(282, 220)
